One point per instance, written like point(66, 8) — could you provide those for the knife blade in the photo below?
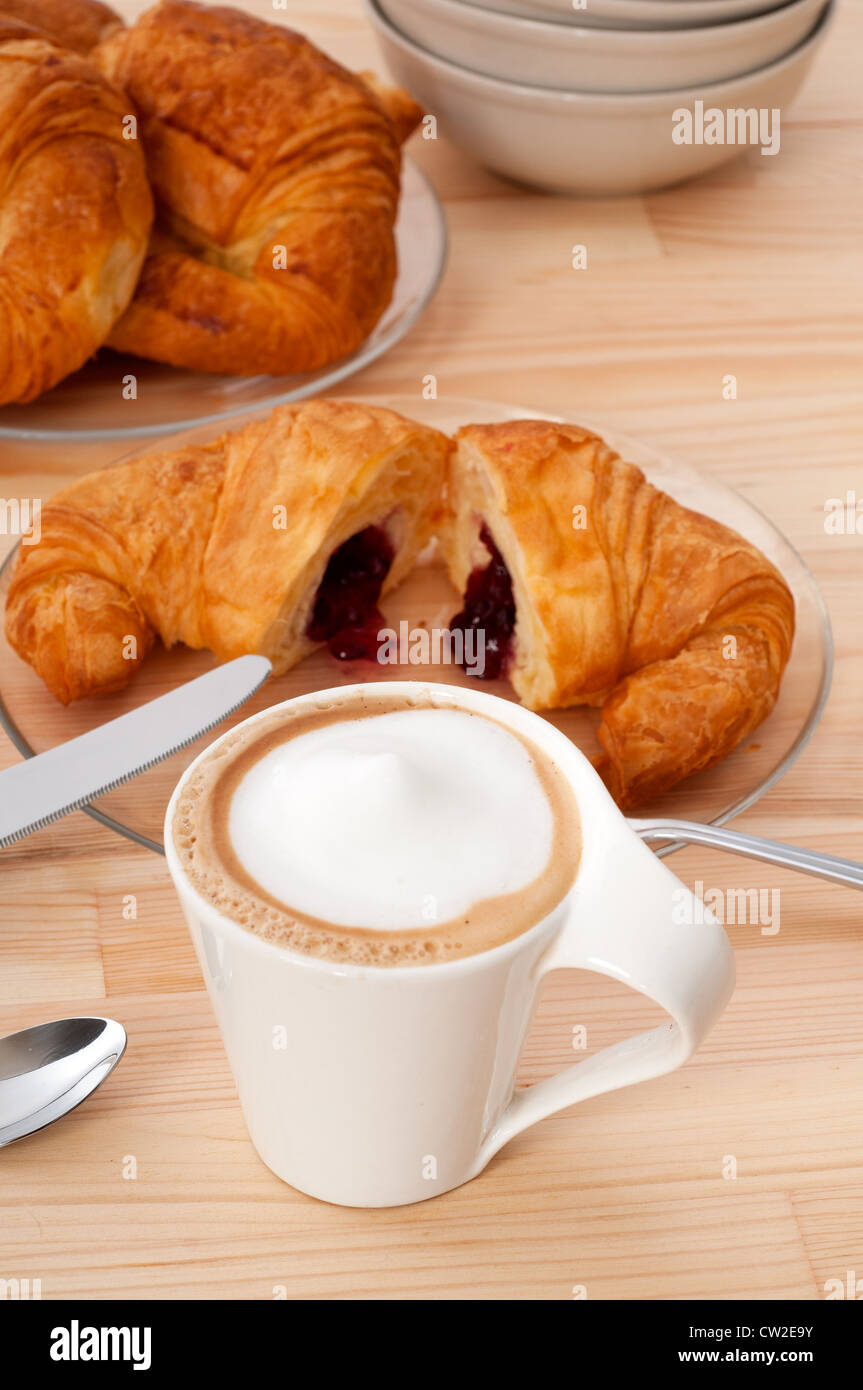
point(65, 778)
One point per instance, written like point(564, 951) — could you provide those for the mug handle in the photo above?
point(632, 920)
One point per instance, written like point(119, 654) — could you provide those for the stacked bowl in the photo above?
point(603, 96)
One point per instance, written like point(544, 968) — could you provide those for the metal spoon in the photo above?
point(46, 1071)
point(806, 861)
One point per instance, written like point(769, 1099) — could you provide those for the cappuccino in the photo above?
point(379, 830)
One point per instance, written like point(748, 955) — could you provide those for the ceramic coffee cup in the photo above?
point(379, 1086)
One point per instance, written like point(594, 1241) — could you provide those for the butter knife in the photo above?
point(65, 778)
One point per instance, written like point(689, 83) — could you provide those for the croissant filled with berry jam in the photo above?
point(274, 539)
point(590, 585)
point(595, 588)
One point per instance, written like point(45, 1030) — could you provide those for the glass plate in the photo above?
point(89, 404)
point(35, 721)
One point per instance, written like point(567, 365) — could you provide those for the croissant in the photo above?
point(274, 539)
point(75, 211)
point(75, 24)
point(593, 587)
point(276, 175)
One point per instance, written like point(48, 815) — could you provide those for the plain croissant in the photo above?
point(608, 592)
point(276, 174)
point(75, 210)
point(75, 24)
point(224, 545)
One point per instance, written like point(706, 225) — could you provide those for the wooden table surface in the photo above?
point(754, 271)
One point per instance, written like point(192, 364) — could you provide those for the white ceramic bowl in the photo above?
point(576, 142)
point(633, 14)
point(569, 58)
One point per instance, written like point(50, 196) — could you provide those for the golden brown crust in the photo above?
point(74, 24)
point(677, 625)
point(399, 105)
point(221, 546)
point(276, 174)
point(75, 211)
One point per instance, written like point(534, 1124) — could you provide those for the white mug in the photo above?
point(378, 1086)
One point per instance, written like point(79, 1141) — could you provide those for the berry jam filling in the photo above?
point(489, 606)
point(346, 614)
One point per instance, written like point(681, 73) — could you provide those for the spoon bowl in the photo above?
point(48, 1070)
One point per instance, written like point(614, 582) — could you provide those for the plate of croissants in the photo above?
point(652, 614)
point(200, 213)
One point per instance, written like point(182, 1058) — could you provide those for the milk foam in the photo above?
point(393, 821)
